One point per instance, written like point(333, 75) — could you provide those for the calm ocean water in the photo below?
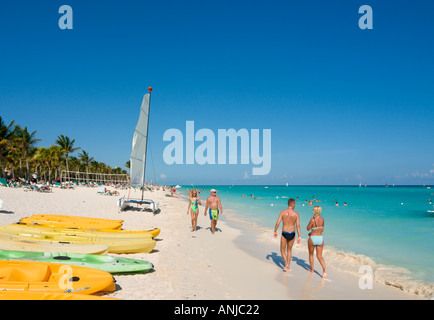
point(394, 226)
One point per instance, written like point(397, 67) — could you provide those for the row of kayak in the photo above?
point(46, 257)
point(36, 235)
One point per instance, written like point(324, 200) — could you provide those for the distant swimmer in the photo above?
point(337, 204)
point(291, 221)
point(316, 239)
point(213, 204)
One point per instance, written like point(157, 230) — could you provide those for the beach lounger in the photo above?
point(28, 188)
point(67, 186)
point(5, 183)
point(45, 189)
point(104, 191)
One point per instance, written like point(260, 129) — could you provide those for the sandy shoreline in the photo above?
point(235, 263)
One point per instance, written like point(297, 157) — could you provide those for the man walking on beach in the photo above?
point(213, 204)
point(291, 220)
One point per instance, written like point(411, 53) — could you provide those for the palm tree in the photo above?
point(53, 153)
point(116, 170)
point(86, 160)
point(66, 146)
point(13, 153)
point(27, 142)
point(6, 134)
point(75, 163)
point(17, 144)
point(56, 159)
point(39, 157)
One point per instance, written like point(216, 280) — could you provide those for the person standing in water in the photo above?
point(213, 204)
point(193, 208)
point(291, 221)
point(316, 240)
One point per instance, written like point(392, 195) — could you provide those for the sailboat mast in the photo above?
point(146, 150)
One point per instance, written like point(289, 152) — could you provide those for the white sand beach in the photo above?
point(234, 263)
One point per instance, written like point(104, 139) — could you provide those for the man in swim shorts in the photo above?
point(213, 204)
point(291, 221)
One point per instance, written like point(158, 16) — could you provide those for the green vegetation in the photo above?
point(20, 157)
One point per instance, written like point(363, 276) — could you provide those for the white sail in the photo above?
point(140, 140)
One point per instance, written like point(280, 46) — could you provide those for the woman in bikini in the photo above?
point(316, 240)
point(193, 208)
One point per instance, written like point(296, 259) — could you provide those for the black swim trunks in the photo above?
point(288, 235)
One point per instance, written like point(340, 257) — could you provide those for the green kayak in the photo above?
point(106, 263)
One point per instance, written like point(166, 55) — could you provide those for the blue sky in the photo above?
point(345, 105)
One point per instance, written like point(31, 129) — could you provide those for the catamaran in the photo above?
point(138, 158)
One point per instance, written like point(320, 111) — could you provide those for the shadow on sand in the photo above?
point(279, 262)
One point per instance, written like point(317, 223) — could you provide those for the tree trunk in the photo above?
point(27, 166)
point(3, 165)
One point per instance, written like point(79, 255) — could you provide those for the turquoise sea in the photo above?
point(393, 226)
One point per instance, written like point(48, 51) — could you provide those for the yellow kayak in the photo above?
point(66, 221)
point(145, 243)
point(82, 223)
point(114, 234)
point(26, 295)
point(154, 232)
point(10, 242)
point(52, 277)
point(103, 233)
